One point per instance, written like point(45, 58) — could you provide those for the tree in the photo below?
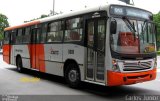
point(156, 19)
point(3, 24)
point(42, 16)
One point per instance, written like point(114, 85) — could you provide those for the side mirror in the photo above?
point(113, 27)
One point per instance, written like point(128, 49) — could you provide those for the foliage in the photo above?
point(42, 16)
point(158, 52)
point(3, 24)
point(156, 18)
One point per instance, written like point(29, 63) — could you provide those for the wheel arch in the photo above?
point(18, 56)
point(68, 61)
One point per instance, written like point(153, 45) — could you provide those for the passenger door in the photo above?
point(95, 29)
point(34, 48)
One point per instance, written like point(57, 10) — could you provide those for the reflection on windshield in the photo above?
point(133, 37)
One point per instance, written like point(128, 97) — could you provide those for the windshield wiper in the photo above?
point(144, 26)
point(130, 26)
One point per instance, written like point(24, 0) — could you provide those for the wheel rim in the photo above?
point(72, 75)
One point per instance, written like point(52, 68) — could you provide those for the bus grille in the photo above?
point(128, 66)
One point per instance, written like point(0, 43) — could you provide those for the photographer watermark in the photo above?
point(142, 98)
point(9, 98)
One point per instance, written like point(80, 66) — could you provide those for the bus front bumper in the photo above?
point(117, 78)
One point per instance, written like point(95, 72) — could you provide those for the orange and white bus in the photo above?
point(109, 45)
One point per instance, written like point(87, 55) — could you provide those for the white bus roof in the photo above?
point(65, 15)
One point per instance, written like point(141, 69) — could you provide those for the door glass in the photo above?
point(33, 36)
point(90, 51)
point(100, 50)
point(96, 50)
point(38, 35)
point(90, 34)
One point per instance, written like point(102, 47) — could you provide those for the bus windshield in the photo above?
point(133, 37)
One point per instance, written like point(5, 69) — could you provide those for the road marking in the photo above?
point(29, 79)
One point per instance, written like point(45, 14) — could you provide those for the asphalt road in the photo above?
point(45, 87)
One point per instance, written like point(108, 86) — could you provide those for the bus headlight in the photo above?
point(115, 66)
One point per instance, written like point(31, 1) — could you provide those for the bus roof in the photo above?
point(23, 25)
point(64, 15)
point(56, 17)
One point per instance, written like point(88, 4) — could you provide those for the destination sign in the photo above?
point(130, 11)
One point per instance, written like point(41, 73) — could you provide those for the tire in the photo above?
point(72, 75)
point(19, 65)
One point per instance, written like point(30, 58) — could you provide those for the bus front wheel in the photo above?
point(72, 75)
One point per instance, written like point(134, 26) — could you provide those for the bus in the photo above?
point(109, 45)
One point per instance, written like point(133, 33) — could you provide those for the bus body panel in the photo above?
point(23, 52)
point(12, 56)
point(53, 59)
point(37, 56)
point(26, 53)
point(57, 54)
point(73, 51)
point(77, 53)
point(117, 79)
point(6, 53)
point(41, 57)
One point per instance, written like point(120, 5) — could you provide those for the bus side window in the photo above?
point(55, 32)
point(26, 35)
point(73, 31)
point(19, 36)
point(13, 36)
point(6, 37)
point(43, 33)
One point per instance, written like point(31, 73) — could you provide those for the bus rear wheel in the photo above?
point(72, 75)
point(19, 64)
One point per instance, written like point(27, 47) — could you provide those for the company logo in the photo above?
point(52, 51)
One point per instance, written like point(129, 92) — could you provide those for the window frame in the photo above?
point(8, 38)
point(59, 30)
point(81, 17)
point(24, 34)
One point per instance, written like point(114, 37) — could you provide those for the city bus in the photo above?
point(109, 45)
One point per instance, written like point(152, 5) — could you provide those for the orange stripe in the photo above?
point(29, 49)
point(117, 79)
point(37, 57)
point(23, 25)
point(41, 57)
point(6, 53)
